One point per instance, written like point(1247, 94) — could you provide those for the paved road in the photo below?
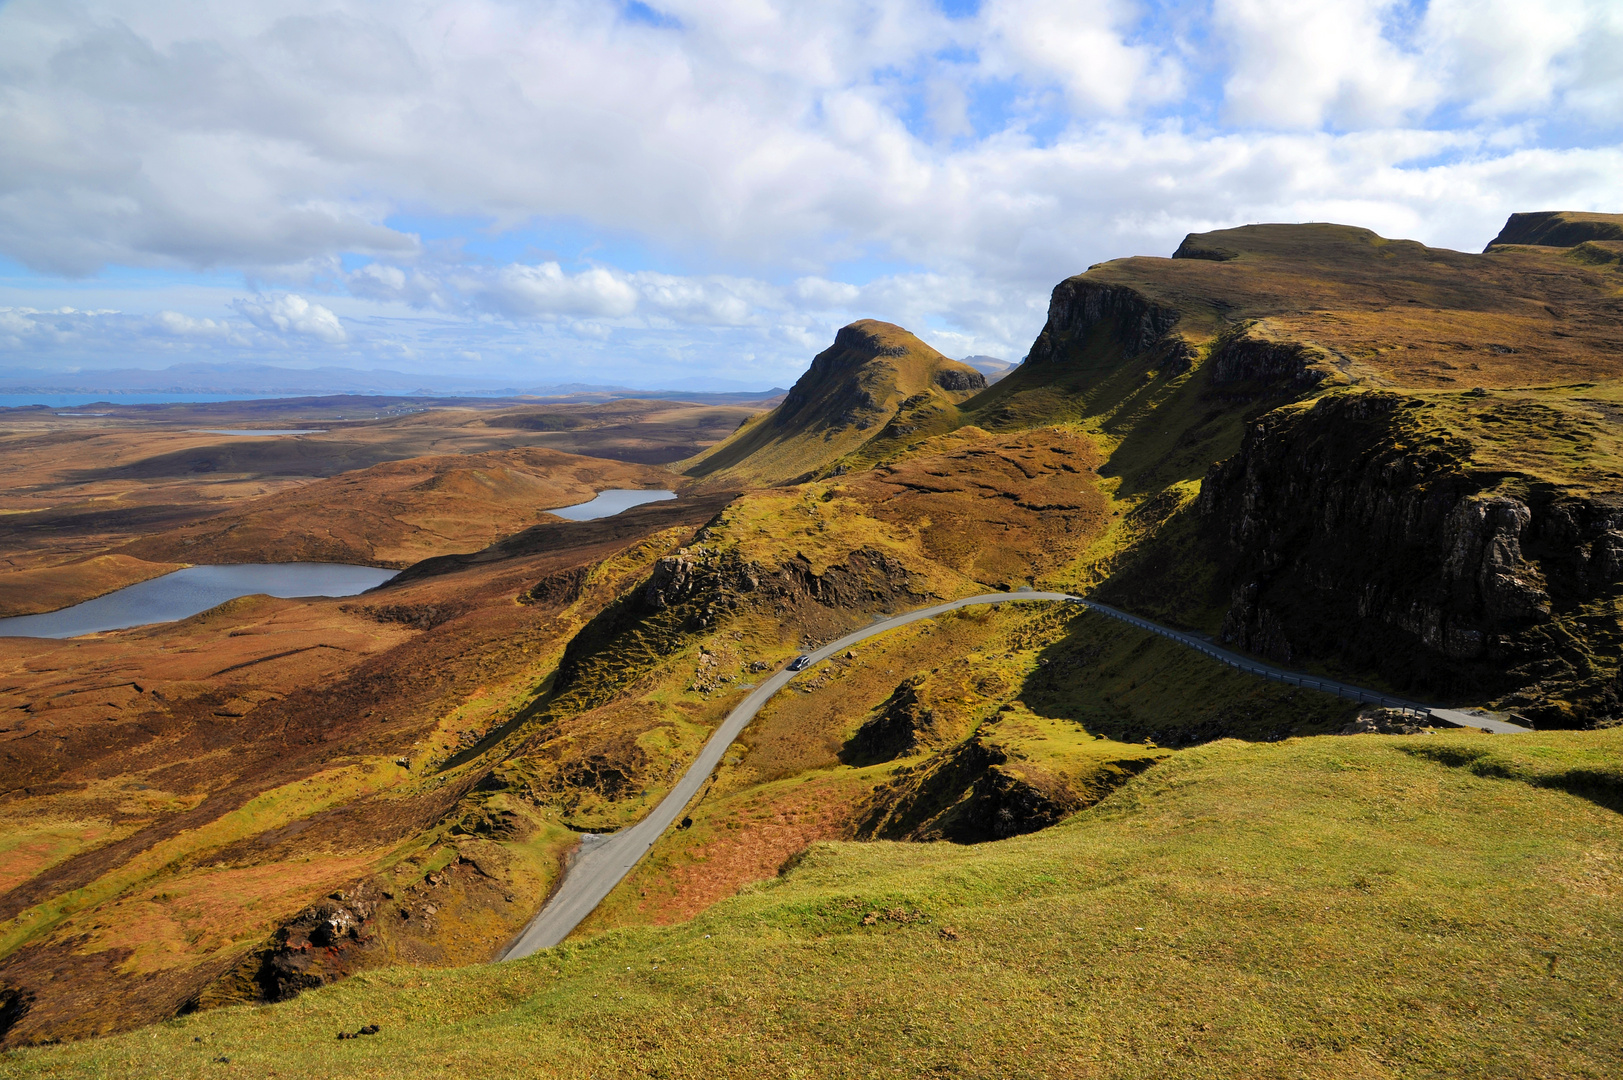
point(1203, 644)
point(603, 861)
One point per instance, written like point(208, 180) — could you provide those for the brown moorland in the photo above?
point(400, 512)
point(83, 487)
point(175, 793)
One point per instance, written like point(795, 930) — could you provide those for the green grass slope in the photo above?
point(876, 382)
point(1366, 906)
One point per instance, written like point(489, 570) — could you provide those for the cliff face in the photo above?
point(1369, 528)
point(1240, 358)
point(1081, 308)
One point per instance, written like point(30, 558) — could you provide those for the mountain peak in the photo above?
point(875, 381)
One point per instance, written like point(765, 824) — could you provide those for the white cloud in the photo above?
point(1507, 56)
point(1298, 65)
point(290, 313)
point(1081, 45)
point(528, 292)
point(761, 148)
point(185, 326)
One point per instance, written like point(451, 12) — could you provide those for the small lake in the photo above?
point(611, 502)
point(184, 593)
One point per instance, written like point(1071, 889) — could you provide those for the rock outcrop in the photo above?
point(1080, 309)
point(1356, 530)
point(967, 795)
point(1240, 358)
point(897, 729)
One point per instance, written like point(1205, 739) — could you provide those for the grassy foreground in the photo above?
point(1445, 905)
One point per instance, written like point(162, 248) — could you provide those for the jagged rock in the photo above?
point(308, 950)
point(671, 581)
point(1484, 563)
point(955, 380)
point(1241, 358)
point(563, 587)
point(895, 731)
point(1350, 538)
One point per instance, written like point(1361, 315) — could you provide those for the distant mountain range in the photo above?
point(994, 368)
point(265, 380)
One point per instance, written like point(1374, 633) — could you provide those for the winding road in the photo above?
point(603, 861)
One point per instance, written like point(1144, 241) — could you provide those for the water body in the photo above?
point(261, 431)
point(611, 502)
point(184, 593)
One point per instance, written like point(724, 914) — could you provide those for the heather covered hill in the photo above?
point(875, 384)
point(1355, 456)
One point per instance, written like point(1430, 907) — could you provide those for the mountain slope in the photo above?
point(877, 382)
point(1447, 516)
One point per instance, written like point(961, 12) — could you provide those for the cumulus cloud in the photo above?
point(1082, 46)
point(186, 326)
point(529, 292)
point(290, 313)
point(757, 148)
point(1298, 65)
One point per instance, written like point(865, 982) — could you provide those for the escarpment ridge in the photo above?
point(1406, 458)
point(1559, 228)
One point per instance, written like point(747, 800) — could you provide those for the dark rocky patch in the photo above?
point(896, 730)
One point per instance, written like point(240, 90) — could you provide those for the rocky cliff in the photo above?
point(1379, 530)
point(1083, 310)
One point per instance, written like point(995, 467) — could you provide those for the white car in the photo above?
point(799, 662)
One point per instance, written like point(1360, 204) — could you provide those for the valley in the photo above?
point(1010, 839)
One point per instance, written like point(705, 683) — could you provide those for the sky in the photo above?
point(697, 193)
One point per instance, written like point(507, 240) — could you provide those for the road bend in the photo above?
point(603, 861)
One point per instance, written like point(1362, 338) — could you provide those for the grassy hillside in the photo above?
point(1358, 907)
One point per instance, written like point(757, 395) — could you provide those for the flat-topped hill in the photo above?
point(1362, 308)
point(1559, 228)
point(876, 381)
